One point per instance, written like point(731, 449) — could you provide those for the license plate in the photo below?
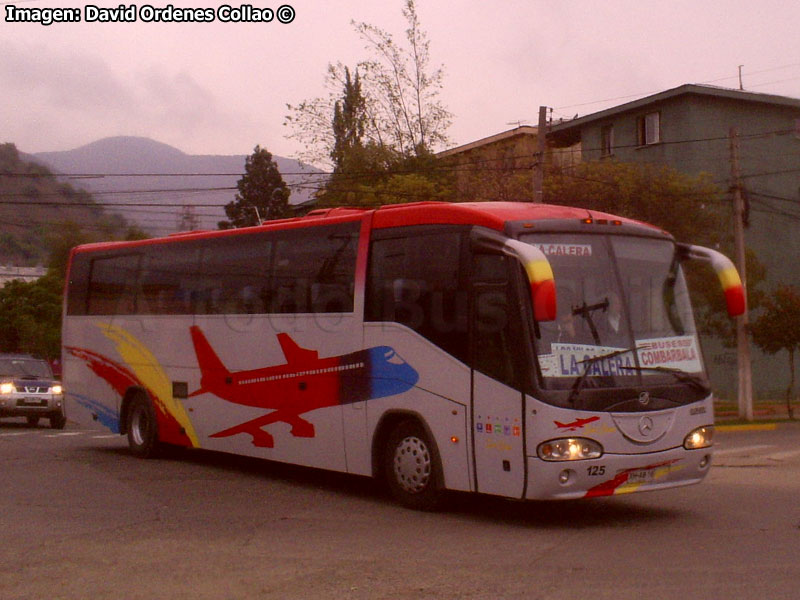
point(641, 476)
point(34, 402)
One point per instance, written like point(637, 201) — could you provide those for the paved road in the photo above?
point(80, 518)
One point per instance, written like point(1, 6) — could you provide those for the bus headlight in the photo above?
point(7, 387)
point(702, 437)
point(569, 449)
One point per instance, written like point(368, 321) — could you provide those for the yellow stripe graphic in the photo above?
point(146, 367)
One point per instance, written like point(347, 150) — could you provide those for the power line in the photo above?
point(650, 93)
point(445, 166)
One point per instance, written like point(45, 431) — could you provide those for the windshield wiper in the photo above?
point(683, 376)
point(579, 381)
point(586, 310)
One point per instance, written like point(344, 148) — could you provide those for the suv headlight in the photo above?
point(7, 387)
point(56, 389)
point(569, 449)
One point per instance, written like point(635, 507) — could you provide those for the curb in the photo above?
point(748, 427)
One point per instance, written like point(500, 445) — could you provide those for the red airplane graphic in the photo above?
point(577, 424)
point(304, 383)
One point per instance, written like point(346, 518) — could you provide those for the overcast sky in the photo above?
point(222, 88)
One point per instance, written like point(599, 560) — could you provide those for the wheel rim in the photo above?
point(412, 464)
point(140, 424)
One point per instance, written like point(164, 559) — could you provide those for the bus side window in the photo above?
point(416, 280)
point(234, 275)
point(167, 281)
point(112, 285)
point(314, 270)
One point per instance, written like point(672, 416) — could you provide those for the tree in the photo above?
point(356, 166)
point(778, 328)
point(262, 193)
point(403, 89)
point(349, 122)
point(402, 114)
point(30, 316)
point(689, 207)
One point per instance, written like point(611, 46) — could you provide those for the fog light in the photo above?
point(564, 476)
point(702, 437)
point(704, 462)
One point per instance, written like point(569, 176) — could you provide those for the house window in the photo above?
point(607, 140)
point(649, 129)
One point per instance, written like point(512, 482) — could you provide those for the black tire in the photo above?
point(411, 467)
point(142, 428)
point(32, 421)
point(58, 420)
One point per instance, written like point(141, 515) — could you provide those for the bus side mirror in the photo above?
point(726, 272)
point(537, 268)
point(540, 277)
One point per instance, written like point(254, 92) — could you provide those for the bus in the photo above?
point(521, 350)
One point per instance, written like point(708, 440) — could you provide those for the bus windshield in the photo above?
point(624, 316)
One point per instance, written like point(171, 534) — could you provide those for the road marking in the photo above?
point(64, 434)
point(14, 433)
point(784, 455)
point(110, 436)
point(742, 449)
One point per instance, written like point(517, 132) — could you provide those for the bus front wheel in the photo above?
point(142, 428)
point(411, 467)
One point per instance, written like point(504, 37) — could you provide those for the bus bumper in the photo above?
point(613, 474)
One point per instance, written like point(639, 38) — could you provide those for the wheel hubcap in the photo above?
point(412, 464)
point(139, 426)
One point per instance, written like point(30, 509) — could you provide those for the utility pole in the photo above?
point(745, 387)
point(538, 168)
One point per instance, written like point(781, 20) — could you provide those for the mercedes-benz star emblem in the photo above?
point(645, 426)
point(644, 398)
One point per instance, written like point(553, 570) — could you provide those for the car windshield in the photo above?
point(623, 313)
point(30, 368)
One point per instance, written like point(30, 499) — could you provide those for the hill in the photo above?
point(36, 207)
point(179, 190)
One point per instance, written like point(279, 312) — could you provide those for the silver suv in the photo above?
point(28, 389)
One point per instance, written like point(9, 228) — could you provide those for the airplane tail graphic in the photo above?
point(211, 367)
point(293, 353)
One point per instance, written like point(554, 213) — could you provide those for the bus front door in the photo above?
point(497, 403)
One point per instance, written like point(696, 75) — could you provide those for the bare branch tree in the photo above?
point(404, 113)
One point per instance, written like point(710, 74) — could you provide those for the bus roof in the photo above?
point(493, 215)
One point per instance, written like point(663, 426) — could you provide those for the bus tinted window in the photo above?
point(167, 280)
point(497, 344)
point(111, 289)
point(296, 271)
point(415, 280)
point(314, 270)
point(234, 276)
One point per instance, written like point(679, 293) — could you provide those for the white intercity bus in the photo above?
point(523, 350)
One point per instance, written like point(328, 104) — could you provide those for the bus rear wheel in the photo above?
point(142, 428)
point(412, 468)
